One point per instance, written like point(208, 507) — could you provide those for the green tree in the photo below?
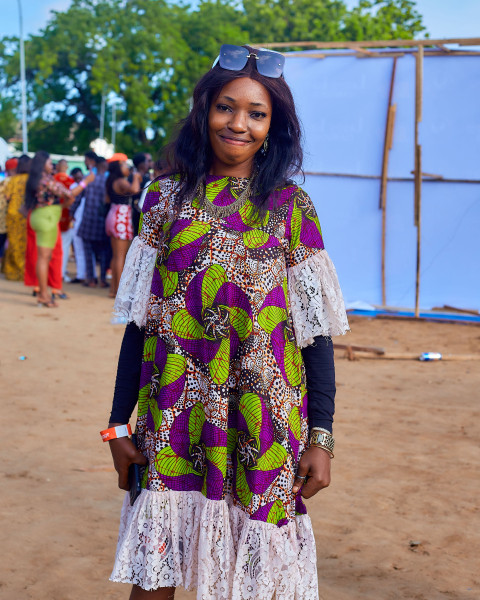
point(383, 20)
point(330, 20)
point(8, 119)
point(148, 54)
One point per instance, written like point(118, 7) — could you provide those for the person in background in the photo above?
point(66, 224)
point(80, 262)
point(42, 198)
point(118, 224)
point(143, 164)
point(77, 175)
point(10, 168)
point(92, 227)
point(90, 158)
point(14, 260)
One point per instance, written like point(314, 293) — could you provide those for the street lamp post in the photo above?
point(23, 81)
point(114, 124)
point(102, 117)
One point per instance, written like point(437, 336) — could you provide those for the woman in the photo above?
point(230, 297)
point(42, 198)
point(118, 224)
point(14, 261)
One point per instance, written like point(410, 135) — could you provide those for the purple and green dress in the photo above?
point(227, 304)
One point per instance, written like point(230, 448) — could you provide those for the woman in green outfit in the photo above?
point(42, 197)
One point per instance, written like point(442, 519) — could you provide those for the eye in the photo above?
point(223, 107)
point(258, 115)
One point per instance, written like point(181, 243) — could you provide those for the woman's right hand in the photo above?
point(124, 454)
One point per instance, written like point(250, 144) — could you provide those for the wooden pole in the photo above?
point(418, 169)
point(391, 109)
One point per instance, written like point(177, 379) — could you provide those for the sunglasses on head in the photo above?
point(234, 58)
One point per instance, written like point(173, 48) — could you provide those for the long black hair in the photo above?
point(114, 173)
point(35, 175)
point(23, 165)
point(190, 153)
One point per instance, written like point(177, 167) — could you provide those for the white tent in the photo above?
point(344, 97)
point(6, 151)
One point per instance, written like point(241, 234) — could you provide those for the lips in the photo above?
point(234, 141)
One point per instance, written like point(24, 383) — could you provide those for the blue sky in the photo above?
point(443, 18)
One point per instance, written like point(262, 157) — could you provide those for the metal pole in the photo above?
point(114, 125)
point(23, 81)
point(102, 117)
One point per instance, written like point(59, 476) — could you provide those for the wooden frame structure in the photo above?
point(393, 49)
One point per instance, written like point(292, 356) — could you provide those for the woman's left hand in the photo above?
point(315, 464)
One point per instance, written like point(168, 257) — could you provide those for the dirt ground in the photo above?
point(400, 520)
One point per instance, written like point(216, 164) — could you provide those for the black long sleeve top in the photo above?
point(319, 370)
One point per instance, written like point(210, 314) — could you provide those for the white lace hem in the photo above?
point(316, 300)
point(133, 294)
point(174, 538)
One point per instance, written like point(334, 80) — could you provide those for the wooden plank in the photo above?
point(418, 169)
point(374, 43)
point(425, 177)
point(374, 349)
point(382, 54)
point(409, 356)
point(432, 319)
point(428, 175)
point(418, 210)
point(383, 186)
point(343, 54)
point(464, 311)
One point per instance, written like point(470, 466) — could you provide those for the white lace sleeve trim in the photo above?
point(316, 299)
point(174, 538)
point(133, 294)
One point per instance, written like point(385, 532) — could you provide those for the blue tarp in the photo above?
point(342, 102)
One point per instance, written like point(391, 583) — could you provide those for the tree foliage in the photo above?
point(145, 55)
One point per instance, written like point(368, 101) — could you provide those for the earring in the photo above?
point(265, 145)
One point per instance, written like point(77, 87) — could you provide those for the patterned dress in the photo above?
point(226, 303)
point(14, 261)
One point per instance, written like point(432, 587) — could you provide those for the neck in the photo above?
point(243, 170)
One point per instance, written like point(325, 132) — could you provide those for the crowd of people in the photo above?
point(50, 215)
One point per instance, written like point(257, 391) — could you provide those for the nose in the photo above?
point(238, 122)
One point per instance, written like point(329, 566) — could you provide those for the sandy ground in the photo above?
point(406, 467)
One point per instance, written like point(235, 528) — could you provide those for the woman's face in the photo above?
point(48, 168)
point(238, 123)
point(125, 169)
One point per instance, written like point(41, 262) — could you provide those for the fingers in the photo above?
point(313, 486)
point(123, 480)
point(315, 463)
point(140, 459)
point(300, 479)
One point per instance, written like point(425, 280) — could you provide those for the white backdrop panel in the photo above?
point(351, 227)
point(342, 103)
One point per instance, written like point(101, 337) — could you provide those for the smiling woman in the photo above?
point(230, 300)
point(238, 124)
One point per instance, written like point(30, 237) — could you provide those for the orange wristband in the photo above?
point(116, 432)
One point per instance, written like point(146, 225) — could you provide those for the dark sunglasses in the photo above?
point(234, 58)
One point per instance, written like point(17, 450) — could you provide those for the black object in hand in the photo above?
point(135, 476)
